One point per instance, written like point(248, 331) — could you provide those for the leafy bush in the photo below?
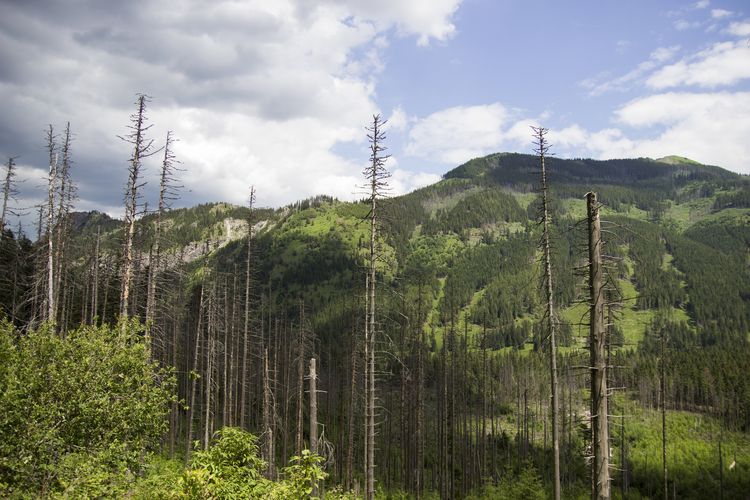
point(232, 468)
point(80, 412)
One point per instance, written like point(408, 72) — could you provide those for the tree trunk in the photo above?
point(599, 425)
point(313, 416)
point(268, 418)
point(194, 381)
point(141, 148)
point(542, 149)
point(52, 183)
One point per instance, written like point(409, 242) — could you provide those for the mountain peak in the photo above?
point(677, 160)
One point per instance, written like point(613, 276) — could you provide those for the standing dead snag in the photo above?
point(244, 385)
point(142, 148)
point(166, 194)
point(9, 192)
point(67, 194)
point(597, 346)
point(377, 177)
point(268, 412)
point(51, 187)
point(313, 416)
point(541, 149)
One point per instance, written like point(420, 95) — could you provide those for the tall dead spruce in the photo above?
point(9, 192)
point(51, 312)
point(598, 364)
point(377, 180)
point(244, 383)
point(167, 193)
point(541, 148)
point(142, 148)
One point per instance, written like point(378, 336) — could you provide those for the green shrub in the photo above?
point(232, 468)
point(80, 412)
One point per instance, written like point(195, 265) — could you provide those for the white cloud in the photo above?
point(404, 181)
point(702, 4)
point(739, 28)
point(398, 119)
point(568, 138)
point(725, 63)
point(257, 92)
point(657, 57)
point(720, 13)
point(683, 24)
point(708, 127)
point(454, 135)
point(427, 19)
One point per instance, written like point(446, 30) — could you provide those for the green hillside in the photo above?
point(459, 319)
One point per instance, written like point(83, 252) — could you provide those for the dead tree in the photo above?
point(244, 385)
point(193, 374)
point(166, 195)
point(313, 416)
point(66, 196)
point(51, 188)
point(268, 413)
point(598, 365)
point(541, 149)
point(377, 177)
point(9, 192)
point(301, 354)
point(142, 148)
point(663, 384)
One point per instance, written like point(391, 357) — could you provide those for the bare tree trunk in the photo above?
point(300, 377)
point(366, 369)
point(377, 176)
point(165, 194)
point(194, 381)
point(244, 385)
point(95, 279)
point(52, 186)
point(542, 149)
point(267, 417)
point(664, 415)
point(209, 369)
point(64, 204)
point(599, 424)
point(419, 480)
point(8, 192)
point(313, 416)
point(141, 149)
point(352, 406)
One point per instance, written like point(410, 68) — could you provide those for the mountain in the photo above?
point(667, 217)
point(460, 342)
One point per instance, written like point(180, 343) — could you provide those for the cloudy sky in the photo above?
point(277, 93)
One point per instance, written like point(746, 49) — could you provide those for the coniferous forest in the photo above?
point(527, 327)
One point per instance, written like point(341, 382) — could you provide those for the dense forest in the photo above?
point(396, 347)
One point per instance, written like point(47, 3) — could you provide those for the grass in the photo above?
point(692, 453)
point(684, 215)
point(524, 199)
point(576, 209)
point(436, 202)
point(629, 318)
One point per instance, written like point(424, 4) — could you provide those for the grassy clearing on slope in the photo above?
point(683, 215)
point(576, 209)
point(692, 454)
point(631, 320)
point(524, 199)
point(434, 203)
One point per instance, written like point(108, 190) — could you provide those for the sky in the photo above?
point(277, 93)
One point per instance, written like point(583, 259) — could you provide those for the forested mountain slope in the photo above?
point(462, 381)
